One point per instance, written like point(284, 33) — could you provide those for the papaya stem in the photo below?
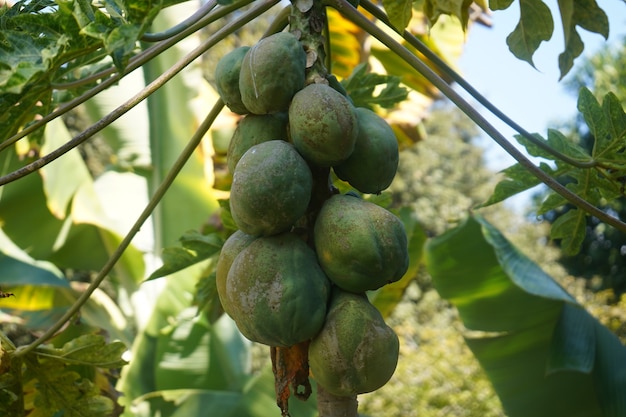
point(308, 22)
point(329, 405)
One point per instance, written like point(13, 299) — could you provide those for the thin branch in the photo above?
point(180, 27)
point(357, 18)
point(142, 95)
point(445, 68)
point(116, 255)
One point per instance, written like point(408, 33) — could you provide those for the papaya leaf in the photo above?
point(196, 247)
point(225, 217)
point(499, 4)
point(544, 354)
point(88, 349)
point(361, 86)
point(517, 179)
point(586, 14)
point(558, 142)
point(535, 26)
point(458, 8)
point(399, 12)
point(598, 179)
point(606, 122)
point(54, 388)
point(571, 229)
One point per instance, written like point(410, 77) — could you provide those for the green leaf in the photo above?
point(207, 298)
point(528, 319)
point(62, 390)
point(361, 86)
point(586, 14)
point(607, 123)
point(598, 181)
point(196, 247)
point(25, 271)
point(517, 179)
point(570, 350)
point(458, 8)
point(558, 142)
point(535, 26)
point(399, 13)
point(88, 349)
point(571, 229)
point(396, 66)
point(59, 187)
point(499, 4)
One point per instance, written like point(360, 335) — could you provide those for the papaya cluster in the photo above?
point(282, 289)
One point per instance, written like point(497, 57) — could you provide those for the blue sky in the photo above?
point(532, 97)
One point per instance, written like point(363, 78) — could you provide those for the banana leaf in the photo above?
point(543, 352)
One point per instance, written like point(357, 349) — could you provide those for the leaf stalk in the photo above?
point(142, 95)
point(357, 18)
point(117, 254)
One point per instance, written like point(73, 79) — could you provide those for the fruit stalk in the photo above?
point(307, 22)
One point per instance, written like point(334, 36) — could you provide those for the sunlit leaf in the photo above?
point(557, 142)
point(58, 186)
point(173, 117)
point(457, 8)
point(55, 388)
point(362, 85)
point(399, 12)
point(517, 179)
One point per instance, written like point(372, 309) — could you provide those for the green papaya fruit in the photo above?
point(227, 74)
point(355, 352)
point(252, 130)
point(322, 125)
point(276, 291)
point(231, 248)
point(360, 246)
point(272, 71)
point(271, 189)
point(373, 164)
